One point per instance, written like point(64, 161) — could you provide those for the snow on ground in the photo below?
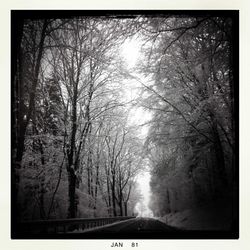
point(203, 218)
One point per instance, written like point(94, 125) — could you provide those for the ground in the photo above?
point(207, 217)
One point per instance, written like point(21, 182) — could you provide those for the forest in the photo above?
point(75, 152)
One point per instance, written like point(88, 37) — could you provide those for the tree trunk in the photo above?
point(72, 210)
point(17, 94)
point(20, 121)
point(113, 195)
point(220, 161)
point(42, 183)
point(168, 202)
point(90, 180)
point(121, 207)
point(17, 109)
point(96, 185)
point(109, 196)
point(120, 200)
point(125, 208)
point(88, 173)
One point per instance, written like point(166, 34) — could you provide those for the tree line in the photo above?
point(73, 152)
point(191, 64)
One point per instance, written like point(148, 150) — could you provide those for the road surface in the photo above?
point(134, 228)
point(138, 228)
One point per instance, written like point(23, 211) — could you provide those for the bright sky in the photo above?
point(131, 53)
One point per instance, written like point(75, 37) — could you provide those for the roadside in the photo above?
point(207, 217)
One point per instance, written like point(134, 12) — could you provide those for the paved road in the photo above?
point(134, 228)
point(138, 228)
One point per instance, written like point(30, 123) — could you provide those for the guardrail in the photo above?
point(66, 226)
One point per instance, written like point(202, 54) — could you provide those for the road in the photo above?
point(138, 228)
point(134, 228)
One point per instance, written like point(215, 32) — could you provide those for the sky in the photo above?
point(130, 51)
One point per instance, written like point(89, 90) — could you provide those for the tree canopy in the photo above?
point(75, 151)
